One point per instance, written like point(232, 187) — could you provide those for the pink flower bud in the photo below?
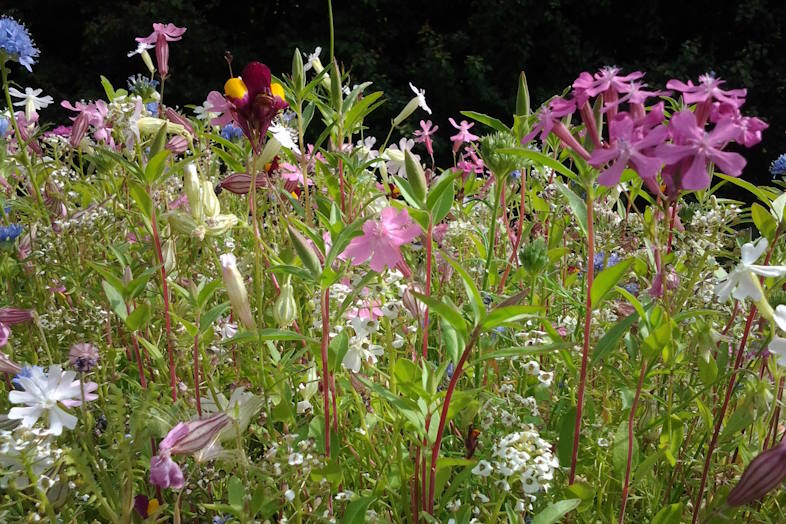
point(78, 130)
point(762, 475)
point(177, 118)
point(240, 183)
point(177, 144)
point(6, 364)
point(162, 55)
point(12, 315)
point(194, 436)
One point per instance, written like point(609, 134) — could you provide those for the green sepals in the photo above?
point(416, 177)
point(305, 253)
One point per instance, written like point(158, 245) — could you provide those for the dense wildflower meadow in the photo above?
point(251, 310)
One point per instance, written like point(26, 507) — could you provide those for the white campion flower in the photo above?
point(360, 349)
point(45, 393)
point(30, 100)
point(419, 100)
point(313, 60)
point(743, 282)
point(420, 94)
point(284, 137)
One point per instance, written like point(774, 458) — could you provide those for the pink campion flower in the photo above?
point(692, 143)
point(216, 103)
point(749, 128)
point(93, 114)
point(423, 136)
point(628, 145)
point(705, 93)
point(177, 118)
point(382, 240)
point(470, 163)
point(292, 176)
point(549, 116)
point(763, 474)
point(607, 82)
point(463, 134)
point(177, 144)
point(161, 36)
point(635, 95)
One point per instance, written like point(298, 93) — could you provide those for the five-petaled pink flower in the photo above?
point(463, 134)
point(549, 116)
point(382, 239)
point(161, 36)
point(705, 93)
point(699, 148)
point(423, 136)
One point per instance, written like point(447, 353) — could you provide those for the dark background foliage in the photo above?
point(466, 54)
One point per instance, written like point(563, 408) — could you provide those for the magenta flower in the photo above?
point(94, 114)
point(705, 93)
point(423, 136)
point(220, 105)
point(549, 117)
point(749, 128)
point(382, 240)
point(699, 148)
point(165, 473)
point(470, 162)
point(161, 36)
point(629, 145)
point(463, 134)
point(607, 82)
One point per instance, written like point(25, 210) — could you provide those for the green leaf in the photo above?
point(108, 89)
point(343, 239)
point(362, 108)
point(671, 514)
point(525, 351)
point(577, 205)
point(764, 221)
point(337, 349)
point(619, 450)
point(356, 511)
point(235, 492)
point(554, 512)
point(612, 337)
point(454, 344)
point(473, 294)
point(507, 314)
point(141, 198)
point(206, 320)
point(139, 316)
point(407, 192)
point(155, 166)
point(279, 334)
point(487, 120)
point(116, 301)
point(567, 425)
point(151, 348)
point(541, 160)
point(761, 194)
point(447, 311)
point(605, 281)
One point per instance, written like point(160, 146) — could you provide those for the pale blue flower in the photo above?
point(16, 44)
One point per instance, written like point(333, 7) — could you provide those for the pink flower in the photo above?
point(12, 315)
point(699, 148)
point(463, 134)
point(629, 145)
point(608, 82)
point(749, 128)
point(218, 104)
point(423, 136)
point(382, 239)
point(5, 333)
point(165, 473)
point(549, 121)
point(292, 176)
point(705, 93)
point(161, 36)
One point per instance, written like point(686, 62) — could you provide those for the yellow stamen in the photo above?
point(152, 506)
point(277, 90)
point(235, 88)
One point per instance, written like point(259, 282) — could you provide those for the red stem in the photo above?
point(427, 290)
point(324, 303)
point(585, 349)
point(519, 234)
point(165, 290)
point(630, 440)
point(721, 414)
point(671, 226)
point(196, 370)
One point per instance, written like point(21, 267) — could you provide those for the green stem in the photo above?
point(498, 185)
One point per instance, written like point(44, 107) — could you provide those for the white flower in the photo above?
point(313, 60)
point(30, 100)
point(529, 481)
point(483, 469)
point(532, 367)
point(421, 96)
point(141, 47)
point(289, 495)
point(742, 282)
point(295, 459)
point(546, 377)
point(360, 349)
point(283, 137)
point(363, 326)
point(45, 392)
point(203, 112)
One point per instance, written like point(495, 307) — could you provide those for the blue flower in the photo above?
point(16, 44)
point(152, 107)
point(778, 167)
point(221, 520)
point(231, 132)
point(10, 233)
point(26, 372)
point(4, 125)
point(613, 260)
point(632, 288)
point(515, 175)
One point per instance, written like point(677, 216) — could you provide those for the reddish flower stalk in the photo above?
point(443, 416)
point(324, 306)
point(671, 227)
point(630, 440)
point(196, 370)
point(585, 349)
point(519, 233)
point(165, 291)
point(427, 290)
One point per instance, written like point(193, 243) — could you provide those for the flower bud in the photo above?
point(150, 125)
point(177, 145)
point(181, 222)
point(78, 130)
point(210, 203)
point(236, 290)
point(193, 189)
point(408, 110)
point(148, 60)
point(168, 251)
point(12, 315)
point(240, 183)
point(176, 118)
point(416, 177)
point(411, 304)
point(220, 224)
point(162, 55)
point(534, 256)
point(285, 308)
point(305, 252)
point(6, 364)
point(762, 475)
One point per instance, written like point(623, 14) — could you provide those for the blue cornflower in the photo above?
point(16, 44)
point(613, 260)
point(4, 125)
point(10, 233)
point(231, 132)
point(778, 167)
point(152, 107)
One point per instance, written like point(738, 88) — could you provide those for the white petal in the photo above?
point(780, 318)
point(58, 419)
point(748, 286)
point(767, 271)
point(777, 207)
point(724, 289)
point(29, 415)
point(751, 252)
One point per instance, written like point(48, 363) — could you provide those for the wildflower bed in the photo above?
point(250, 310)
